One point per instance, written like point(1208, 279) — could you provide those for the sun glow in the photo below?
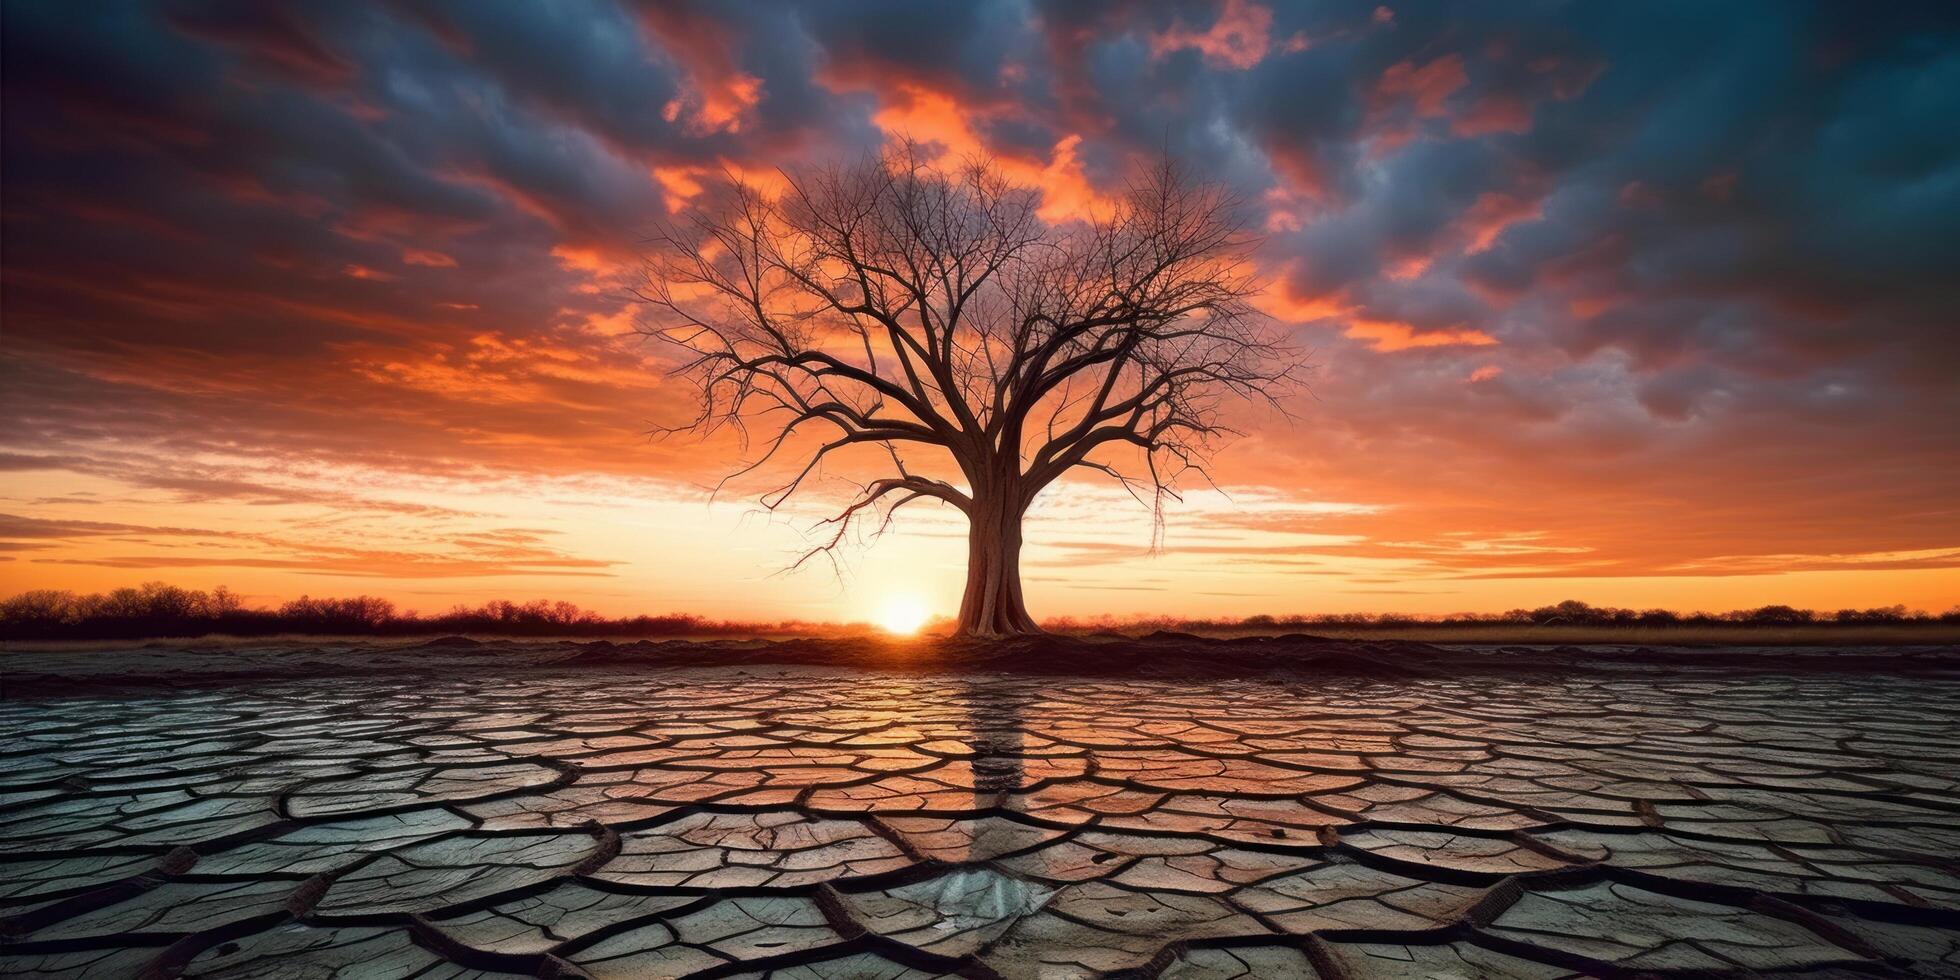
point(903, 614)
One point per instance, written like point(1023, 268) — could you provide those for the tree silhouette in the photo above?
point(917, 309)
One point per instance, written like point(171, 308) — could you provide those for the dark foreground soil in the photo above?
point(1159, 655)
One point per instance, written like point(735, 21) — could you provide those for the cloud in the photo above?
point(1238, 39)
point(1667, 286)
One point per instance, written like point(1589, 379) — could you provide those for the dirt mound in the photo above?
point(1156, 655)
point(1160, 655)
point(1165, 654)
point(448, 643)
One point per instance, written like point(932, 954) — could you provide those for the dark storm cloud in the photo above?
point(1731, 214)
point(1548, 243)
point(1790, 161)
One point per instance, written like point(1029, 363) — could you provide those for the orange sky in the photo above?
point(330, 303)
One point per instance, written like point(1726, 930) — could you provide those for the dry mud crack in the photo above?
point(621, 819)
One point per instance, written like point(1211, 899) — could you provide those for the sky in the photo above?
point(1642, 304)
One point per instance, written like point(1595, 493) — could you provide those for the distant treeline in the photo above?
point(159, 610)
point(1568, 613)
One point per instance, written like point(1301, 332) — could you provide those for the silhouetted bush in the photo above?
point(1886, 614)
point(156, 609)
point(159, 610)
point(1568, 613)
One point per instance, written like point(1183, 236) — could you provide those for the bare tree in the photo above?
point(913, 309)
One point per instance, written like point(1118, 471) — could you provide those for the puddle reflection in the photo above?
point(975, 894)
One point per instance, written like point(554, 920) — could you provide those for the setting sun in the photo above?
point(903, 614)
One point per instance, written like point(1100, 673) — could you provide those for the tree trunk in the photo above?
point(992, 605)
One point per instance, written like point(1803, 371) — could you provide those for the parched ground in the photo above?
point(1352, 810)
